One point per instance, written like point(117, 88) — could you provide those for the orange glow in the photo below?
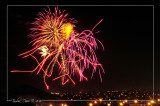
point(95, 102)
point(50, 105)
point(62, 105)
point(90, 104)
point(67, 29)
point(121, 104)
point(135, 101)
point(158, 100)
point(149, 103)
point(65, 104)
point(152, 101)
point(109, 104)
point(126, 101)
point(100, 100)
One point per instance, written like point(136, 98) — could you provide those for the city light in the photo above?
point(149, 103)
point(95, 102)
point(100, 100)
point(152, 101)
point(63, 104)
point(135, 101)
point(126, 101)
point(90, 104)
point(121, 104)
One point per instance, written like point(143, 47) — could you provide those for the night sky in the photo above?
point(126, 33)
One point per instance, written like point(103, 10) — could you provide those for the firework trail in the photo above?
point(55, 39)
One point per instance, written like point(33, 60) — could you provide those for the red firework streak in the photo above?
point(55, 39)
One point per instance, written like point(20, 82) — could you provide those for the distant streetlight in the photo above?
point(149, 103)
point(121, 104)
point(50, 105)
point(100, 100)
point(90, 104)
point(95, 102)
point(152, 101)
point(126, 101)
point(135, 101)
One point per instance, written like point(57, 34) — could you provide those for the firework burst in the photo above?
point(58, 43)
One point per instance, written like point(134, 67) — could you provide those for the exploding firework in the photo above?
point(59, 44)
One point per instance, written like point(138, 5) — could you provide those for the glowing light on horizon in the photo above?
point(135, 101)
point(121, 104)
point(100, 100)
point(50, 105)
point(60, 45)
point(152, 101)
point(126, 101)
point(95, 102)
point(149, 103)
point(90, 104)
point(65, 104)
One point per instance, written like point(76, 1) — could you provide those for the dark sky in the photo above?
point(127, 35)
